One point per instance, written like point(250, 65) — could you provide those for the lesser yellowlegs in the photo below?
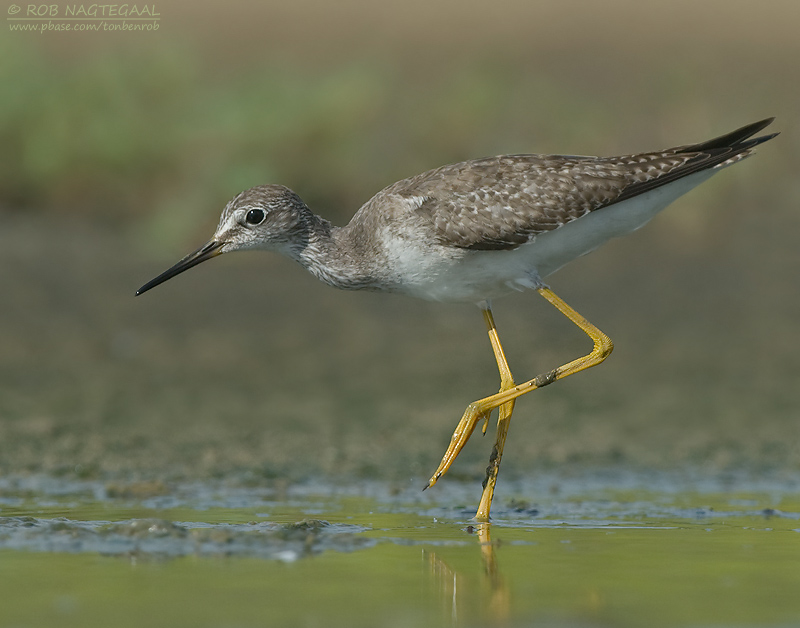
point(475, 231)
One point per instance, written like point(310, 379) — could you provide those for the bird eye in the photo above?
point(255, 216)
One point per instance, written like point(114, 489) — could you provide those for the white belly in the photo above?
point(473, 276)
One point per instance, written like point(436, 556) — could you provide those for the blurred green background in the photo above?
point(118, 150)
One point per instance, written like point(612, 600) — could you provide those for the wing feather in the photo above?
point(503, 202)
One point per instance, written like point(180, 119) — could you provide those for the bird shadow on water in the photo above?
point(578, 554)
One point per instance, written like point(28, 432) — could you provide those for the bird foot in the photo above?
point(472, 416)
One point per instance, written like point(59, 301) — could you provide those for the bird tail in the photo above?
point(736, 141)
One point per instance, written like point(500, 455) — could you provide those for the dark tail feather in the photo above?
point(734, 138)
point(710, 154)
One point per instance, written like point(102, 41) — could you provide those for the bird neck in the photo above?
point(333, 256)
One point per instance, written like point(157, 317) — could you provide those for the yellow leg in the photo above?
point(480, 409)
point(503, 419)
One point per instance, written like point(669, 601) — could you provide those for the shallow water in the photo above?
point(621, 550)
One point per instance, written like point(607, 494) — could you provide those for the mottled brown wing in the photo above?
point(502, 202)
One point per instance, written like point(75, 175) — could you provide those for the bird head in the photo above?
point(268, 217)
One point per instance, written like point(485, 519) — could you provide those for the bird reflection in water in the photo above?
point(453, 588)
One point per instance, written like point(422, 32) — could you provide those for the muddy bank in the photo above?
point(249, 367)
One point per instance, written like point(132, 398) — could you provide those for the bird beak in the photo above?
point(207, 251)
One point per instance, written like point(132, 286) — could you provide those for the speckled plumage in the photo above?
point(475, 230)
point(503, 202)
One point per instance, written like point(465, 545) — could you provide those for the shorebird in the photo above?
point(475, 231)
